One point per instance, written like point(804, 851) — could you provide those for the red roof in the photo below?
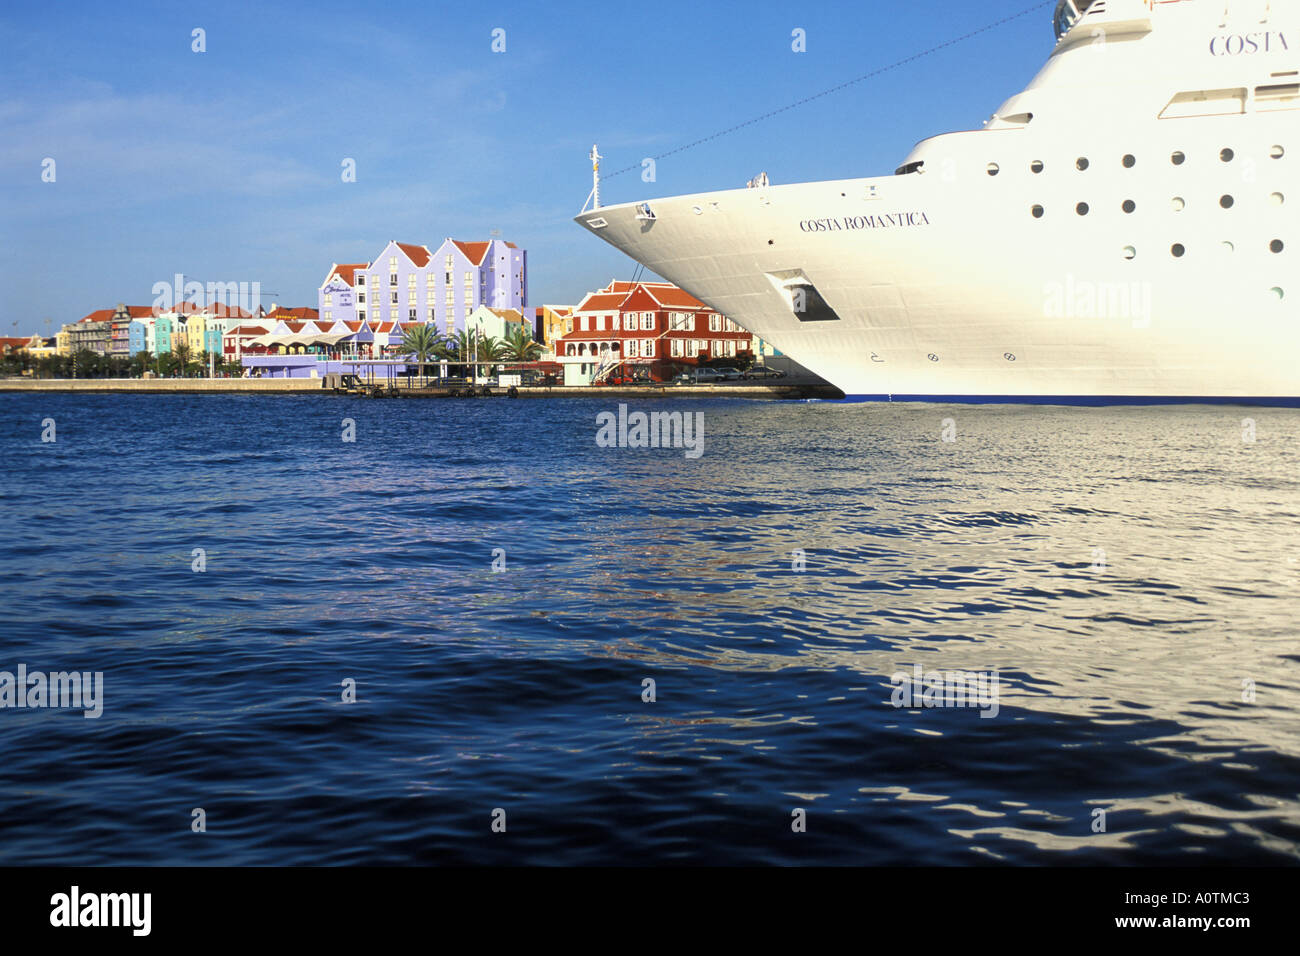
point(247, 330)
point(346, 271)
point(417, 254)
point(474, 251)
point(300, 312)
point(601, 302)
point(14, 343)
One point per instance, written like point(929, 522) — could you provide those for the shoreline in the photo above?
point(303, 386)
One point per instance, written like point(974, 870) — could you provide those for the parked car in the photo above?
point(762, 372)
point(728, 373)
point(700, 376)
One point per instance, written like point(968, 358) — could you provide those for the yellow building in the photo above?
point(63, 342)
point(556, 321)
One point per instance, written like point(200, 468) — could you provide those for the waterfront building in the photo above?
point(205, 330)
point(91, 333)
point(551, 323)
point(650, 330)
point(496, 323)
point(340, 296)
point(411, 283)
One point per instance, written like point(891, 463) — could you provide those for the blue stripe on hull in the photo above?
point(1092, 400)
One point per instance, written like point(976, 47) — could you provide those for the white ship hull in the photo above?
point(943, 284)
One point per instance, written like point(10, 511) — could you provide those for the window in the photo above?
point(392, 263)
point(392, 280)
point(1282, 96)
point(328, 315)
point(329, 299)
point(1082, 209)
point(428, 279)
point(633, 348)
point(450, 262)
point(713, 323)
point(1129, 161)
point(1129, 205)
point(647, 321)
point(731, 348)
point(648, 348)
point(1081, 163)
point(410, 297)
point(392, 314)
point(1205, 103)
point(374, 281)
point(615, 322)
point(410, 281)
point(394, 297)
point(568, 326)
point(600, 323)
point(677, 348)
point(1036, 166)
point(1177, 250)
point(431, 315)
point(361, 297)
point(412, 315)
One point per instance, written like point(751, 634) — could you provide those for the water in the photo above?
point(1126, 572)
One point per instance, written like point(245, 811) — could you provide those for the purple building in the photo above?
point(409, 283)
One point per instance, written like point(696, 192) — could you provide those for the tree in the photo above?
point(519, 346)
point(420, 341)
point(181, 349)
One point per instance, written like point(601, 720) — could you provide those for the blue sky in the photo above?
point(226, 165)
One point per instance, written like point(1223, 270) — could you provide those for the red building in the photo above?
point(645, 330)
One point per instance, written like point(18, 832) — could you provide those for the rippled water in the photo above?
point(1127, 572)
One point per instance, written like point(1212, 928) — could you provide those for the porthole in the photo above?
point(1130, 252)
point(1177, 250)
point(1277, 293)
point(1129, 205)
point(1009, 356)
point(1037, 212)
point(1275, 246)
point(1036, 166)
point(1178, 158)
point(1226, 155)
point(1081, 163)
point(1228, 246)
point(993, 169)
point(932, 357)
point(1276, 199)
point(1277, 152)
point(1226, 201)
point(1178, 203)
point(1082, 209)
point(1129, 161)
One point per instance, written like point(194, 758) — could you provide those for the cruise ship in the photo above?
point(1122, 230)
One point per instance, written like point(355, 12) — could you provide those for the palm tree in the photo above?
point(420, 341)
point(181, 349)
point(519, 345)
